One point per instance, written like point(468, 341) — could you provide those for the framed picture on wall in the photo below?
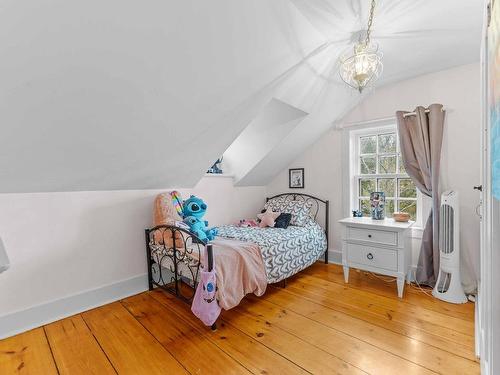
point(296, 178)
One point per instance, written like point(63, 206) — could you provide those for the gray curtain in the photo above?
point(421, 137)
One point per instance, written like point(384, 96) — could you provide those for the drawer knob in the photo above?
point(369, 256)
point(369, 236)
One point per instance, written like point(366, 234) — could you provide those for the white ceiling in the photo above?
point(126, 94)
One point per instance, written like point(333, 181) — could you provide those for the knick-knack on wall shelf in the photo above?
point(216, 168)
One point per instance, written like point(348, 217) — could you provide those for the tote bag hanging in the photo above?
point(205, 306)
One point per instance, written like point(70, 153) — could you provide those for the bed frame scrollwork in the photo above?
point(174, 259)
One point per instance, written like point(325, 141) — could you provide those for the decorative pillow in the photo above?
point(166, 214)
point(267, 218)
point(283, 221)
point(300, 209)
point(277, 204)
point(164, 210)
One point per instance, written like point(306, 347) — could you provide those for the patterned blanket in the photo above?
point(284, 251)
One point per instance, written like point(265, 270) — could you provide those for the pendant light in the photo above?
point(363, 65)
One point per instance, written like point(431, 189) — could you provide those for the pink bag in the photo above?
point(205, 305)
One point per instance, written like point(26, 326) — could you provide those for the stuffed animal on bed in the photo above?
point(197, 227)
point(194, 207)
point(247, 223)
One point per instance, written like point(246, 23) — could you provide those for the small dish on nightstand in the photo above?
point(401, 217)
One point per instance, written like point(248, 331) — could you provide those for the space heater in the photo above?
point(448, 285)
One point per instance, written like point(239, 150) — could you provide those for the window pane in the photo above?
point(368, 145)
point(387, 143)
point(364, 206)
point(402, 169)
point(409, 207)
point(387, 185)
point(366, 186)
point(407, 188)
point(368, 165)
point(387, 164)
point(389, 208)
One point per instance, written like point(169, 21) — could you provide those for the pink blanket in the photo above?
point(240, 270)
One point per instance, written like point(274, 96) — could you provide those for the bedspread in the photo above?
point(284, 251)
point(240, 271)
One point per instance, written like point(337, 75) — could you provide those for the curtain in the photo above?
point(421, 137)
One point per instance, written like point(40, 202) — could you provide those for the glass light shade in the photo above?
point(362, 67)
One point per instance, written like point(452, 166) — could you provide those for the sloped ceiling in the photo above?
point(126, 94)
point(276, 120)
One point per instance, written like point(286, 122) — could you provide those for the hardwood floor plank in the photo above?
point(129, 346)
point(27, 353)
point(187, 344)
point(334, 342)
point(454, 329)
point(398, 306)
point(75, 349)
point(287, 297)
point(316, 325)
point(358, 280)
point(256, 357)
point(293, 347)
point(412, 350)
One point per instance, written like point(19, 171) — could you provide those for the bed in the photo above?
point(263, 255)
point(284, 251)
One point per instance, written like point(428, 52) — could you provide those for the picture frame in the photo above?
point(296, 178)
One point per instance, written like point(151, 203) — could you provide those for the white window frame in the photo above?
point(353, 136)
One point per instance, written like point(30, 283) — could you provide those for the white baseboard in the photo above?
point(334, 256)
point(36, 316)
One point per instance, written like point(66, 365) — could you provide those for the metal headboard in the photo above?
point(317, 203)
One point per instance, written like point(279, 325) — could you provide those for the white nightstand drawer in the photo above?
point(372, 256)
point(372, 235)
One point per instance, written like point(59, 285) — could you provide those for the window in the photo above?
point(377, 166)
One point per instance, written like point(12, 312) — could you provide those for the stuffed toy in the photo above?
point(194, 207)
point(267, 218)
point(166, 214)
point(197, 227)
point(177, 201)
point(248, 223)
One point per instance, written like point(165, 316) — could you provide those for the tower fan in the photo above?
point(448, 285)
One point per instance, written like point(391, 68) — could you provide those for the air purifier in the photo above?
point(448, 285)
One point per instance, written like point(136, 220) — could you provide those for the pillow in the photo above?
point(164, 210)
point(267, 218)
point(277, 204)
point(166, 214)
point(300, 209)
point(283, 221)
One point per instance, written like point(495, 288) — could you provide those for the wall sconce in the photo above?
point(4, 259)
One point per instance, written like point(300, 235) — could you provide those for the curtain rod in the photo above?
point(377, 121)
point(414, 114)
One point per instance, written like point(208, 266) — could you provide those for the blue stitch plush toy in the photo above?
point(195, 208)
point(197, 227)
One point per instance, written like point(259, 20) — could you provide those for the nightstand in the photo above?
point(379, 246)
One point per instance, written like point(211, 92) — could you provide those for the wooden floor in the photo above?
point(316, 325)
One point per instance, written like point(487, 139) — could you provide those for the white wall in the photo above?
point(458, 90)
point(322, 178)
point(62, 244)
